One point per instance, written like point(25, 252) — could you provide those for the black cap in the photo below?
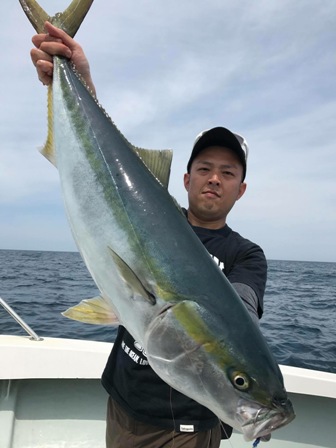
point(220, 136)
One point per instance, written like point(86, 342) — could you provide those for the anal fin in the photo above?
point(48, 151)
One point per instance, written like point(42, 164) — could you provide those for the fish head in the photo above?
point(191, 351)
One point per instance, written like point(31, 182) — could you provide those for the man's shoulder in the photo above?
point(228, 238)
point(242, 242)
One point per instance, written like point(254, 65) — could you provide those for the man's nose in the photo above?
point(214, 179)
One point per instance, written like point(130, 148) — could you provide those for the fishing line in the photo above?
point(255, 443)
point(172, 412)
point(228, 440)
point(223, 429)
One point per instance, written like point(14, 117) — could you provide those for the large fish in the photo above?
point(150, 267)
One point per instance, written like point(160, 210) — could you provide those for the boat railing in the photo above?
point(20, 321)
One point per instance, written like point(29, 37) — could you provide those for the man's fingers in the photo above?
point(55, 48)
point(37, 39)
point(44, 72)
point(57, 33)
point(56, 42)
point(46, 48)
point(37, 55)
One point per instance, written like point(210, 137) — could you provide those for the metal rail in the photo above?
point(20, 321)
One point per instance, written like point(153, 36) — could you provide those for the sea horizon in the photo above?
point(77, 251)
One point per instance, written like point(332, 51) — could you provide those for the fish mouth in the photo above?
point(256, 421)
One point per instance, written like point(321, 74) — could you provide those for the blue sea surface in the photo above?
point(299, 321)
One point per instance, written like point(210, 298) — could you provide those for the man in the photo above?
point(143, 411)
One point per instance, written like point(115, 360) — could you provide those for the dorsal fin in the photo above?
point(158, 162)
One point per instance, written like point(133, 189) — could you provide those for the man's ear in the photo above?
point(186, 181)
point(242, 189)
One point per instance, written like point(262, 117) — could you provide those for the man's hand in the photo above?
point(57, 42)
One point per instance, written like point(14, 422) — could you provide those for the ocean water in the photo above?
point(299, 322)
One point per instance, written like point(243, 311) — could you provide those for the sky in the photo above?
point(164, 71)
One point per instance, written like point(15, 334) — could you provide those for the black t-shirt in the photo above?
point(242, 261)
point(130, 380)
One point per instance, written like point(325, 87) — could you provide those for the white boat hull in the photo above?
point(51, 396)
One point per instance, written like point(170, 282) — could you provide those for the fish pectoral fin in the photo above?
point(158, 162)
point(92, 311)
point(132, 279)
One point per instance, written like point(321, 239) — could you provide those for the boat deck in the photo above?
point(51, 396)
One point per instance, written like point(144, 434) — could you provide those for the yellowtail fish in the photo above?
point(151, 269)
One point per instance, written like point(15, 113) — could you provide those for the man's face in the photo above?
point(214, 185)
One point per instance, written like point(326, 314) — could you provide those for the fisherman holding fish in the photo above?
point(144, 411)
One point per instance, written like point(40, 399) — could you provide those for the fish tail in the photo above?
point(69, 20)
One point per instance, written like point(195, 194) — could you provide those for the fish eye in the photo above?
point(240, 380)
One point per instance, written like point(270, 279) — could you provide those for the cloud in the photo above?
point(166, 71)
